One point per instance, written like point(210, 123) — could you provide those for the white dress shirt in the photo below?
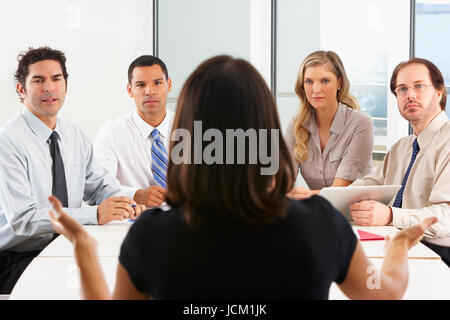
point(26, 180)
point(124, 147)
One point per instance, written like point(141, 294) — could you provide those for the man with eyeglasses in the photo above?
point(419, 162)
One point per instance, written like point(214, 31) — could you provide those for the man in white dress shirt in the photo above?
point(127, 147)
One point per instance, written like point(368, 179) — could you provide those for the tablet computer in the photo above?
point(343, 197)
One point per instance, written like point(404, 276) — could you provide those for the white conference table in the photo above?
point(109, 240)
point(429, 279)
point(53, 274)
point(375, 248)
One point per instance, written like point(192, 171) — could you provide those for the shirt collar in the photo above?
point(312, 124)
point(38, 127)
point(146, 129)
point(425, 138)
point(338, 124)
point(339, 119)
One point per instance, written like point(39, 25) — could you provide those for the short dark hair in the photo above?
point(26, 58)
point(227, 93)
point(435, 74)
point(146, 61)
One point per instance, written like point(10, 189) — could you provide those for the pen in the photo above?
point(133, 206)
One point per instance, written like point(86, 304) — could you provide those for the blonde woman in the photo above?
point(331, 140)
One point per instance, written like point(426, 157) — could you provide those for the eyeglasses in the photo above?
point(417, 88)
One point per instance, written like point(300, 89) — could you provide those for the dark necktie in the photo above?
point(59, 187)
point(399, 198)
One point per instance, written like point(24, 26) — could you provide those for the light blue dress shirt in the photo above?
point(26, 180)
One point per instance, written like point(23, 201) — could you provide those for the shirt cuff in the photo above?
point(399, 220)
point(87, 215)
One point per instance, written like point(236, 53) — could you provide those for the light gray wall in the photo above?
point(192, 31)
point(99, 38)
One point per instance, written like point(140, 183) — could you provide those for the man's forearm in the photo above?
point(404, 218)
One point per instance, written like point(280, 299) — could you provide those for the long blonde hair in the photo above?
point(305, 114)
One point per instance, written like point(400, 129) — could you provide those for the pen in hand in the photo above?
point(134, 212)
point(137, 210)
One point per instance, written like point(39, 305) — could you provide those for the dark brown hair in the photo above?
point(227, 93)
point(435, 74)
point(146, 61)
point(26, 58)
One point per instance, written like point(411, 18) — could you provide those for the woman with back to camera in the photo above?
point(231, 233)
point(330, 139)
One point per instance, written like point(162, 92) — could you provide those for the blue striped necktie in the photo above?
point(399, 198)
point(159, 160)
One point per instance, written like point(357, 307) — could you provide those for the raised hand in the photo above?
point(411, 236)
point(66, 225)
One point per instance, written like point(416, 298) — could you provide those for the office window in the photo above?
point(431, 27)
point(371, 37)
point(99, 38)
point(190, 32)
